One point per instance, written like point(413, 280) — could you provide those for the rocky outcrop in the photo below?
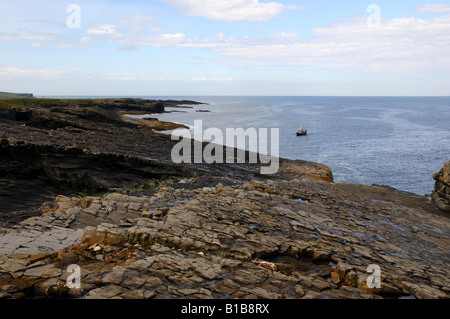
point(441, 192)
point(150, 228)
point(316, 171)
point(77, 147)
point(300, 238)
point(157, 125)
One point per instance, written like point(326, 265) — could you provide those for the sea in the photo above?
point(394, 141)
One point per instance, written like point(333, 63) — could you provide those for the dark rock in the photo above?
point(153, 229)
point(52, 147)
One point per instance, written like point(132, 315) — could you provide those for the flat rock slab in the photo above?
point(299, 238)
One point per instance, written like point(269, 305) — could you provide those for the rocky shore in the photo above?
point(83, 185)
point(441, 192)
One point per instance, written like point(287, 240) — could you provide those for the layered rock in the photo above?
point(155, 229)
point(76, 147)
point(441, 192)
point(157, 125)
point(298, 238)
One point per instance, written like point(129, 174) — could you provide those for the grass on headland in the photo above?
point(8, 95)
point(27, 102)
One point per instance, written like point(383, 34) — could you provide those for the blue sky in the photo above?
point(225, 47)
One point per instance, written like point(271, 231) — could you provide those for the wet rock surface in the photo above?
point(154, 229)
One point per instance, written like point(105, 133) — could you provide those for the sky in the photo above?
point(225, 47)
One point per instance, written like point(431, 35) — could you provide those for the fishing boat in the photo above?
point(302, 131)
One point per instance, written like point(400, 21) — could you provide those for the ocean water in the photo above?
point(395, 141)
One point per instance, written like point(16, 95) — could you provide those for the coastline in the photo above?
point(350, 143)
point(98, 184)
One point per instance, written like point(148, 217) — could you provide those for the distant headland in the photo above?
point(9, 95)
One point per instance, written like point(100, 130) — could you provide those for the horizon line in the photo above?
point(212, 95)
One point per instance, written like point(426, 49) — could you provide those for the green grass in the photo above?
point(98, 194)
point(8, 95)
point(156, 184)
point(46, 102)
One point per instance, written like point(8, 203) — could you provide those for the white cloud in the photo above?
point(435, 8)
point(231, 10)
point(171, 37)
point(24, 37)
point(10, 72)
point(40, 37)
point(127, 48)
point(139, 22)
point(160, 40)
point(102, 29)
point(194, 79)
point(405, 44)
point(118, 76)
